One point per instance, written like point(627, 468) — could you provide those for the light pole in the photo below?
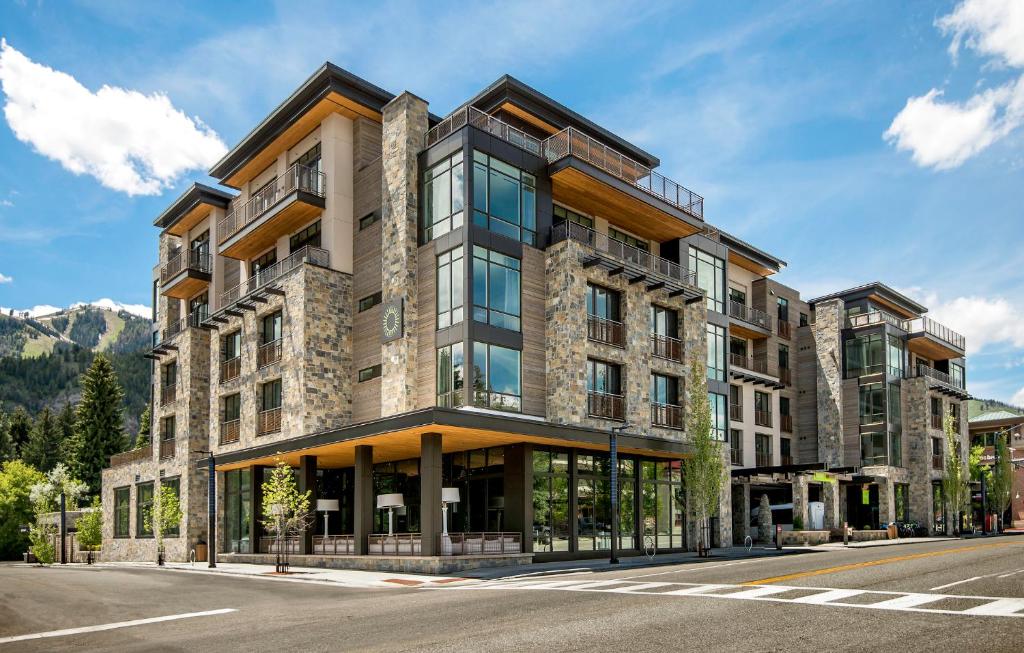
point(613, 451)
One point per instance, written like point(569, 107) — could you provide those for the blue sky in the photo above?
point(776, 112)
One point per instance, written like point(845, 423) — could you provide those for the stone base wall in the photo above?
point(396, 564)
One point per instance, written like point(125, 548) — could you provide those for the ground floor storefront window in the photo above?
point(938, 508)
point(238, 511)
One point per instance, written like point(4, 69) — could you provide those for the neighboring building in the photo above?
point(985, 429)
point(395, 303)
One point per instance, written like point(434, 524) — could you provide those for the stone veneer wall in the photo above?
point(405, 126)
point(829, 384)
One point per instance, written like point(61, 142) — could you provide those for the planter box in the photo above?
point(868, 536)
point(805, 538)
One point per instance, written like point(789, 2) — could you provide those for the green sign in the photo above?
point(822, 477)
point(865, 496)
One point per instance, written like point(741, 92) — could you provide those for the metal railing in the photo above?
point(736, 412)
point(229, 431)
point(786, 423)
point(268, 421)
point(268, 353)
point(786, 376)
point(481, 543)
point(307, 254)
point(763, 459)
point(785, 329)
point(472, 116)
point(284, 544)
point(606, 331)
point(193, 319)
point(399, 544)
point(937, 422)
point(334, 545)
point(605, 244)
point(785, 460)
point(572, 142)
point(666, 347)
point(875, 317)
point(941, 377)
point(750, 315)
point(168, 393)
point(757, 364)
point(167, 448)
point(297, 177)
point(736, 455)
point(763, 417)
point(931, 327)
point(667, 415)
point(230, 369)
point(606, 406)
point(194, 259)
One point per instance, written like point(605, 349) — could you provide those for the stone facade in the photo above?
point(829, 383)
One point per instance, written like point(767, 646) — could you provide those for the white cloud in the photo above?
point(7, 203)
point(35, 311)
point(983, 321)
point(943, 135)
point(1018, 398)
point(6, 279)
point(140, 310)
point(134, 143)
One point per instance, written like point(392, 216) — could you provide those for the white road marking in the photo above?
point(764, 590)
point(959, 582)
point(1000, 607)
point(823, 598)
point(635, 587)
point(1012, 573)
point(112, 626)
point(906, 601)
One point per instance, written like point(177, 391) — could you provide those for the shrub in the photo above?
point(90, 528)
point(42, 543)
point(798, 523)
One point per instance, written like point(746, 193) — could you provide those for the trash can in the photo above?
point(200, 552)
point(891, 531)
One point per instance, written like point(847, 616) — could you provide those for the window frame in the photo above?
point(483, 382)
point(484, 263)
point(484, 168)
point(450, 376)
point(126, 507)
point(141, 532)
point(450, 276)
point(453, 170)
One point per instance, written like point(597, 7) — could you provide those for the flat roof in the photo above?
point(875, 288)
point(193, 196)
point(747, 250)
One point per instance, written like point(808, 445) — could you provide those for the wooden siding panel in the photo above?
point(426, 383)
point(534, 374)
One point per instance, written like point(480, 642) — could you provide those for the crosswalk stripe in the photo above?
point(826, 597)
point(1000, 607)
point(699, 589)
point(595, 584)
point(758, 592)
point(629, 589)
point(907, 601)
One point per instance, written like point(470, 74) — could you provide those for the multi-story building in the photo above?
point(986, 429)
point(393, 303)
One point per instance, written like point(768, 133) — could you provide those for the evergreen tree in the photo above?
point(19, 429)
point(7, 451)
point(66, 424)
point(43, 450)
point(142, 438)
point(99, 423)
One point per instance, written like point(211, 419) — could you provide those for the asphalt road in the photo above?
point(765, 604)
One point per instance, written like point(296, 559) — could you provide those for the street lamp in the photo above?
point(613, 451)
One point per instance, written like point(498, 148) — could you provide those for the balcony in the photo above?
point(229, 431)
point(193, 319)
point(186, 274)
point(786, 423)
point(168, 393)
point(754, 369)
point(167, 448)
point(476, 118)
point(873, 318)
point(282, 207)
point(667, 347)
point(736, 412)
point(571, 142)
point(606, 406)
point(749, 322)
point(942, 382)
point(230, 369)
point(763, 459)
point(608, 332)
point(268, 353)
point(785, 376)
point(667, 415)
point(937, 422)
point(933, 340)
point(785, 329)
point(735, 456)
point(937, 462)
point(763, 418)
point(785, 460)
point(268, 421)
point(271, 273)
point(619, 258)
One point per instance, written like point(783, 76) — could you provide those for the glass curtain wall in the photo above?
point(480, 477)
point(710, 277)
point(238, 512)
point(551, 529)
point(663, 502)
point(504, 199)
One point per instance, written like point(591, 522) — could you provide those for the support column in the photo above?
point(886, 501)
point(256, 520)
point(307, 482)
point(519, 492)
point(725, 503)
point(830, 497)
point(362, 522)
point(430, 493)
point(740, 512)
point(800, 499)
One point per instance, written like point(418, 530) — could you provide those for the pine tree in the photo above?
point(66, 424)
point(43, 450)
point(7, 451)
point(19, 429)
point(142, 438)
point(99, 423)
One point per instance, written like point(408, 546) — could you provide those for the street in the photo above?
point(965, 594)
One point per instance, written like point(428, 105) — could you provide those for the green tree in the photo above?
point(7, 451)
point(45, 495)
point(704, 470)
point(44, 446)
point(66, 424)
point(16, 481)
point(90, 527)
point(1000, 480)
point(974, 457)
point(163, 516)
point(142, 437)
point(285, 510)
point(956, 482)
point(99, 424)
point(19, 429)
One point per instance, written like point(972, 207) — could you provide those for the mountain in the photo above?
point(99, 326)
point(978, 406)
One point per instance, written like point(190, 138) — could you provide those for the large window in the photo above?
point(232, 407)
point(562, 214)
point(232, 346)
point(175, 485)
point(664, 321)
point(710, 277)
point(270, 395)
point(719, 418)
point(762, 450)
point(762, 408)
point(551, 526)
point(872, 403)
point(603, 303)
point(495, 289)
point(310, 236)
point(626, 239)
point(443, 197)
point(237, 510)
point(736, 446)
point(894, 356)
point(663, 502)
point(873, 449)
point(497, 377)
point(782, 305)
point(902, 496)
point(449, 376)
point(143, 506)
point(479, 474)
point(122, 511)
point(783, 357)
point(263, 262)
point(716, 352)
point(504, 199)
point(865, 355)
point(664, 390)
point(603, 377)
point(450, 276)
point(270, 328)
point(198, 309)
point(956, 375)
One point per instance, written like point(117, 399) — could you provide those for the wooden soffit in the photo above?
point(526, 116)
point(895, 309)
point(747, 264)
point(193, 217)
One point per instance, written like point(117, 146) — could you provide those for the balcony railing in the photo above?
point(606, 406)
point(496, 543)
point(314, 255)
point(875, 317)
point(785, 460)
point(937, 422)
point(230, 369)
point(786, 375)
point(785, 329)
point(297, 177)
point(168, 393)
point(268, 353)
point(937, 462)
point(195, 260)
point(757, 364)
point(750, 315)
point(931, 327)
point(608, 332)
point(666, 347)
point(763, 417)
point(193, 319)
point(572, 142)
point(477, 118)
point(283, 544)
point(667, 415)
point(334, 545)
point(268, 421)
point(763, 459)
point(229, 431)
point(604, 244)
point(736, 456)
point(786, 423)
point(167, 448)
point(941, 377)
point(736, 412)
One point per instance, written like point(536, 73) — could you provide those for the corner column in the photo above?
point(519, 492)
point(800, 499)
point(430, 493)
point(740, 512)
point(307, 482)
point(830, 497)
point(362, 522)
point(256, 484)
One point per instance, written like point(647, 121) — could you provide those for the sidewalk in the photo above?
point(864, 545)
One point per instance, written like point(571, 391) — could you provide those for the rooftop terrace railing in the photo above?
point(921, 324)
point(936, 375)
point(485, 122)
point(297, 177)
point(307, 254)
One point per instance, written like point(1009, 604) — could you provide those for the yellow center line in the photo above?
point(874, 563)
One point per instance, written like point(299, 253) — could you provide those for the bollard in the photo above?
point(846, 534)
point(778, 537)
